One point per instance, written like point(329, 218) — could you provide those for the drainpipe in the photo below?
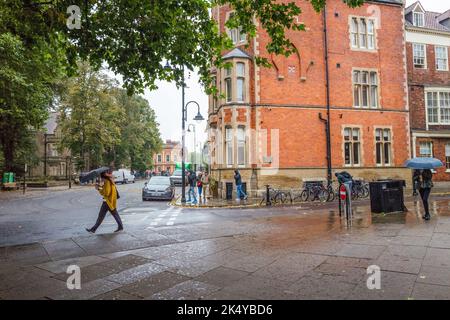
point(327, 84)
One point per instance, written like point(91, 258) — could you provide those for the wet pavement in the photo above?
point(275, 253)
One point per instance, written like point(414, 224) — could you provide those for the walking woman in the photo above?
point(425, 186)
point(110, 194)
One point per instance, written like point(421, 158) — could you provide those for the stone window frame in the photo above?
point(383, 142)
point(234, 79)
point(351, 141)
point(238, 31)
point(167, 158)
point(440, 58)
point(425, 58)
point(159, 158)
point(370, 85)
point(367, 34)
point(438, 92)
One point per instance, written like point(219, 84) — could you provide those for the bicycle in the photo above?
point(313, 191)
point(275, 196)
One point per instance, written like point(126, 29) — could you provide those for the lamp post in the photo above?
point(198, 117)
point(195, 144)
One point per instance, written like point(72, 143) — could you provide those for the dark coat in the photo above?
point(192, 179)
point(238, 178)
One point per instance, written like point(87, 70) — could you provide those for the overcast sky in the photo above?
point(167, 99)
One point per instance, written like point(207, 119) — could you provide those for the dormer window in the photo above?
point(418, 19)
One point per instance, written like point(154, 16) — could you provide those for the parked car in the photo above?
point(176, 177)
point(123, 176)
point(158, 188)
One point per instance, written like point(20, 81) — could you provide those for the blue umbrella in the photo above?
point(424, 163)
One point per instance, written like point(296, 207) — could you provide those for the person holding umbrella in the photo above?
point(423, 179)
point(110, 194)
point(425, 186)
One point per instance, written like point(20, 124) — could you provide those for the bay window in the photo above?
point(241, 146)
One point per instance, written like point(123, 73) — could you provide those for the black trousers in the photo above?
point(101, 216)
point(425, 194)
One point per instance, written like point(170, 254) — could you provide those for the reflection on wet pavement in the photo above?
point(290, 254)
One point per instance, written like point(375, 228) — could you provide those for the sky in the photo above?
point(166, 101)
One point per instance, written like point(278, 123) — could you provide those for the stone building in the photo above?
point(165, 161)
point(271, 122)
point(52, 163)
point(427, 46)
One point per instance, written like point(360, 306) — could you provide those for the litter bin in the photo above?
point(229, 190)
point(8, 177)
point(387, 196)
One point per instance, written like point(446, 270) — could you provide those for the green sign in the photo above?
point(188, 165)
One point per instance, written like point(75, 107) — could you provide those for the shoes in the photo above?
point(246, 197)
point(90, 230)
point(426, 217)
point(118, 230)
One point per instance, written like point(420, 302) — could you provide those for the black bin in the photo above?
point(387, 196)
point(229, 190)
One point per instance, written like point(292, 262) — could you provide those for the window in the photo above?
point(426, 149)
point(447, 156)
point(352, 146)
point(441, 58)
point(168, 158)
point(228, 85)
point(159, 158)
point(419, 56)
point(241, 146)
point(240, 81)
point(236, 35)
point(362, 33)
point(175, 158)
point(365, 89)
point(418, 19)
point(383, 146)
point(229, 145)
point(438, 107)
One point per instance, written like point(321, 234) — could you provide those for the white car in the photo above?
point(123, 176)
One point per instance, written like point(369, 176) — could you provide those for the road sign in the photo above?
point(343, 192)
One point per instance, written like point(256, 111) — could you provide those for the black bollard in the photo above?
point(268, 202)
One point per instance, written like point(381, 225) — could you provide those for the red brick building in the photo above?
point(427, 46)
point(270, 122)
point(165, 161)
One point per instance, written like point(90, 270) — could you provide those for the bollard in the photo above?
point(268, 202)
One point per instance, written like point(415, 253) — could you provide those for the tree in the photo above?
point(140, 136)
point(136, 37)
point(102, 125)
point(27, 77)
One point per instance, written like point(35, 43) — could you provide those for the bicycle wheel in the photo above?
point(366, 191)
point(323, 195)
point(280, 197)
point(304, 195)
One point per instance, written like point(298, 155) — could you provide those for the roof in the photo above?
point(236, 53)
point(51, 123)
point(399, 2)
point(432, 19)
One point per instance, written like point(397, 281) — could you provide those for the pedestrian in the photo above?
point(110, 194)
point(205, 186)
point(238, 181)
point(200, 186)
point(426, 184)
point(191, 183)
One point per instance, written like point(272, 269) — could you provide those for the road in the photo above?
point(43, 216)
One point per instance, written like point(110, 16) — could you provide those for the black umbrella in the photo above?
point(91, 175)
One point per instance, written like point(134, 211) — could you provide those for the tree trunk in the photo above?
point(8, 154)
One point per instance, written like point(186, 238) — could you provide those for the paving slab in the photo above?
point(424, 291)
point(188, 290)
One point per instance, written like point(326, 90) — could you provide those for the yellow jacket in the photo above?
point(109, 193)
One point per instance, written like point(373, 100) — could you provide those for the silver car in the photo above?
point(158, 188)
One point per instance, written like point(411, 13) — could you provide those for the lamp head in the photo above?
point(199, 117)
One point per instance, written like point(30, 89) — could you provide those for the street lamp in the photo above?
point(198, 118)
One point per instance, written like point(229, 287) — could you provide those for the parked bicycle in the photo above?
point(276, 196)
point(315, 191)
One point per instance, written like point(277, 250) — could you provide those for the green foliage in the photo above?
point(101, 124)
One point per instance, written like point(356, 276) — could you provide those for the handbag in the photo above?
point(118, 195)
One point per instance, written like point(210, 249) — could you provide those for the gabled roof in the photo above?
point(236, 53)
point(432, 20)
